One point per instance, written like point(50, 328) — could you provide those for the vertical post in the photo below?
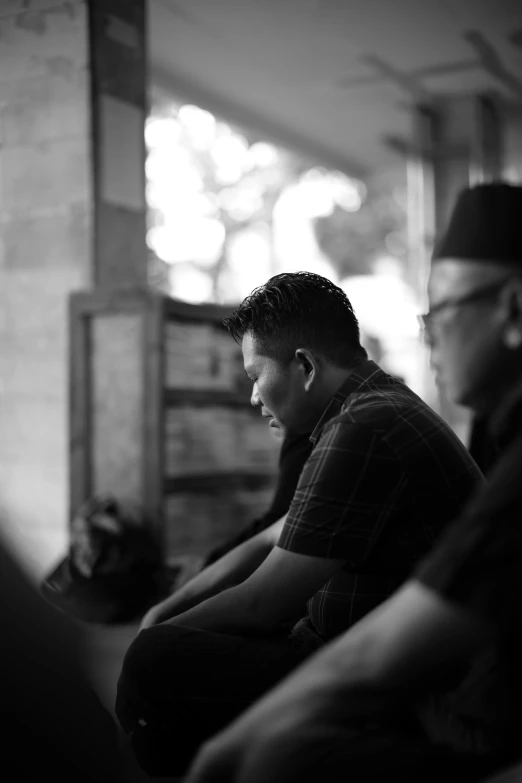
point(119, 89)
point(488, 143)
point(512, 123)
point(421, 206)
point(421, 228)
point(46, 212)
point(72, 208)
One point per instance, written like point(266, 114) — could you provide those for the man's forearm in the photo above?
point(232, 611)
point(188, 596)
point(233, 568)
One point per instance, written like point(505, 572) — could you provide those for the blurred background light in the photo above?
point(199, 124)
point(196, 239)
point(227, 212)
point(262, 154)
point(191, 284)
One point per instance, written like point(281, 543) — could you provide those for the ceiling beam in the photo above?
point(427, 71)
point(259, 124)
point(410, 149)
point(491, 62)
point(404, 81)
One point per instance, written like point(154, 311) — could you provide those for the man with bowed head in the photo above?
point(384, 477)
point(428, 686)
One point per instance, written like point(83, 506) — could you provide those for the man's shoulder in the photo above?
point(404, 424)
point(388, 405)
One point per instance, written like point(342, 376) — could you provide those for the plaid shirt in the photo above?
point(385, 476)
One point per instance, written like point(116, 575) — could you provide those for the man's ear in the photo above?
point(512, 312)
point(308, 365)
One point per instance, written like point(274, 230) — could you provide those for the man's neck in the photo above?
point(334, 379)
point(328, 400)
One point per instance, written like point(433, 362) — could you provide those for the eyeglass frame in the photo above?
point(426, 319)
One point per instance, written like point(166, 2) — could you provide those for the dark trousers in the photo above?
point(179, 686)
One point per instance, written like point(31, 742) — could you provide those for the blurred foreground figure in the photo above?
point(53, 727)
point(384, 477)
point(428, 687)
point(482, 445)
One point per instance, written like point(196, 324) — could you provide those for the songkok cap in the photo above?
point(485, 225)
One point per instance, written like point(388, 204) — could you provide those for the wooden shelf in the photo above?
point(205, 397)
point(208, 482)
point(176, 310)
point(124, 420)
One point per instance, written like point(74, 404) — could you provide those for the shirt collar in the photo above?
point(360, 376)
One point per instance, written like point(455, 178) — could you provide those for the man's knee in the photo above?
point(146, 665)
point(158, 698)
point(157, 655)
point(166, 668)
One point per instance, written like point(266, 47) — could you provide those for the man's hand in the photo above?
point(150, 618)
point(221, 759)
point(164, 610)
point(215, 762)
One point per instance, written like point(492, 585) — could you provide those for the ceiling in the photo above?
point(334, 78)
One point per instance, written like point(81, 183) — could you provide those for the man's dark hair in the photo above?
point(299, 310)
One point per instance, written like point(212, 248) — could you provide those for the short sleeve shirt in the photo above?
point(385, 476)
point(478, 566)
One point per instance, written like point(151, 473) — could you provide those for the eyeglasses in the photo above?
point(426, 321)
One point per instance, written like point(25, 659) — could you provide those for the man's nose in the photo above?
point(254, 399)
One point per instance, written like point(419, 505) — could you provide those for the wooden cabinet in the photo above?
point(160, 417)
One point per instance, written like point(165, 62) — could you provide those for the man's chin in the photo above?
point(276, 428)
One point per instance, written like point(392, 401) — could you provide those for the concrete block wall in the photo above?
point(45, 253)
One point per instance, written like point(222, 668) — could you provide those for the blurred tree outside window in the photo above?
point(228, 209)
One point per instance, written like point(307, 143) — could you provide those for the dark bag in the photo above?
point(111, 572)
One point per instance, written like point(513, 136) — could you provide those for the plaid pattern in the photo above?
point(385, 476)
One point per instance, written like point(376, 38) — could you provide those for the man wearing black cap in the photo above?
point(428, 687)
